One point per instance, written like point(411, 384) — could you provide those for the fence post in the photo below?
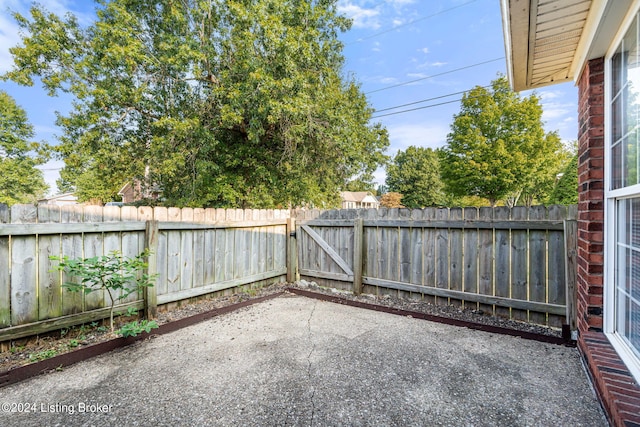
point(292, 251)
point(358, 244)
point(150, 292)
point(570, 244)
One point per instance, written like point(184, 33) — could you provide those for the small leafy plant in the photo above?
point(42, 355)
point(118, 275)
point(132, 329)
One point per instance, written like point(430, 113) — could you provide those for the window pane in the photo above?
point(634, 221)
point(617, 154)
point(633, 284)
point(634, 327)
point(617, 114)
point(627, 271)
point(616, 71)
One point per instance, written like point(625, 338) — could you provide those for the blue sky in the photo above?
point(401, 51)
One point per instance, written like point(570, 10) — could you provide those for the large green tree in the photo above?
point(415, 173)
point(219, 102)
point(565, 190)
point(498, 149)
point(20, 181)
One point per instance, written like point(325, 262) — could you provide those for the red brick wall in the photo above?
point(591, 196)
point(618, 391)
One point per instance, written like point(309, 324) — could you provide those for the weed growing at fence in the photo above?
point(42, 355)
point(118, 275)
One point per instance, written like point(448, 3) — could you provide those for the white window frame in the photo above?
point(610, 197)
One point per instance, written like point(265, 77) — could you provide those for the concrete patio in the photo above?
point(298, 361)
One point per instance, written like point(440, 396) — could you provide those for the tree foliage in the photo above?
point(415, 173)
point(391, 200)
point(220, 102)
point(497, 148)
point(565, 191)
point(20, 181)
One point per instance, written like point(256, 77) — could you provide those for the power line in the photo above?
point(428, 106)
point(388, 30)
point(428, 99)
point(418, 108)
point(436, 75)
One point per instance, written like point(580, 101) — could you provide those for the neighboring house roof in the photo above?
point(60, 199)
point(124, 189)
point(549, 41)
point(354, 196)
point(358, 197)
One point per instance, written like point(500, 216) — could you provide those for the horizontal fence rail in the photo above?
point(514, 263)
point(195, 252)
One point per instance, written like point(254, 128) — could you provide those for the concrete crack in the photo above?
point(313, 348)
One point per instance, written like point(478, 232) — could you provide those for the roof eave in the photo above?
point(519, 34)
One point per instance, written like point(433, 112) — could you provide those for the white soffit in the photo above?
point(544, 39)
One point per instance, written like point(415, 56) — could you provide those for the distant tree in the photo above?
point(20, 181)
point(415, 173)
point(497, 148)
point(219, 103)
point(360, 185)
point(382, 189)
point(565, 191)
point(391, 200)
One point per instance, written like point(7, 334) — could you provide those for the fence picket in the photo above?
point(519, 260)
point(429, 263)
point(198, 249)
point(442, 255)
point(49, 286)
point(503, 261)
point(556, 275)
point(456, 260)
point(470, 278)
point(406, 251)
point(485, 259)
point(161, 214)
point(537, 265)
point(174, 242)
point(417, 236)
point(72, 302)
point(5, 282)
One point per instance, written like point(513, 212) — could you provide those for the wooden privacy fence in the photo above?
point(517, 263)
point(195, 252)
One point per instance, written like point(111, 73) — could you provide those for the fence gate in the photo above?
point(513, 263)
point(326, 250)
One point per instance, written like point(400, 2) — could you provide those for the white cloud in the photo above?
point(434, 64)
point(424, 50)
point(387, 80)
point(397, 22)
point(9, 37)
point(397, 3)
point(362, 17)
point(547, 95)
point(555, 111)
